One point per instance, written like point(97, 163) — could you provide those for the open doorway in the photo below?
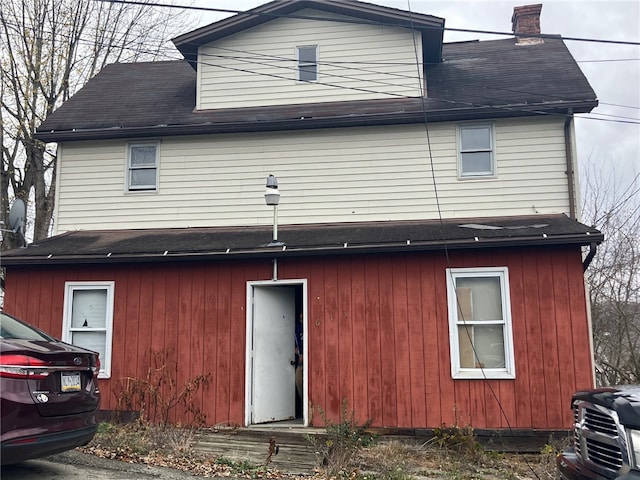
point(273, 333)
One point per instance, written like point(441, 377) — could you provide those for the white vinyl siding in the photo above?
point(259, 66)
point(324, 175)
point(88, 319)
point(481, 339)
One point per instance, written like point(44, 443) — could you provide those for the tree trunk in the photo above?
point(49, 49)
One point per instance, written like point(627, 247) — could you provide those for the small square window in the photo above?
point(88, 319)
point(480, 323)
point(307, 63)
point(143, 166)
point(475, 155)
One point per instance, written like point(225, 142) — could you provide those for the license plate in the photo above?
point(70, 382)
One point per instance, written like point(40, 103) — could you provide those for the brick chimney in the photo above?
point(526, 20)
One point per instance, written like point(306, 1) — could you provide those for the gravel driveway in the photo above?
point(74, 465)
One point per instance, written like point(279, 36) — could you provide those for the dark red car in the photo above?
point(49, 396)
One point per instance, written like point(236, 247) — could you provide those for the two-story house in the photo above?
point(427, 232)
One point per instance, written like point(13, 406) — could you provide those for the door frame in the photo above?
point(248, 387)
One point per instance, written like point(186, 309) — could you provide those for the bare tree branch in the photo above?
point(50, 48)
point(613, 206)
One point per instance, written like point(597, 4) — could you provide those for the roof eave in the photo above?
point(303, 123)
point(582, 239)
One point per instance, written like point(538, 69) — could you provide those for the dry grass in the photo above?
point(383, 460)
point(395, 460)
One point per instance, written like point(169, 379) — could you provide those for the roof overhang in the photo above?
point(273, 119)
point(432, 28)
point(225, 243)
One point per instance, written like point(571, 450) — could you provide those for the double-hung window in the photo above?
point(480, 323)
point(88, 319)
point(142, 171)
point(475, 150)
point(307, 63)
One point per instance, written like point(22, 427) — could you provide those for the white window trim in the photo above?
point(492, 139)
point(299, 65)
point(109, 286)
point(457, 372)
point(128, 187)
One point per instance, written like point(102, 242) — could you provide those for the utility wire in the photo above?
point(631, 120)
point(451, 279)
point(294, 68)
point(426, 123)
point(618, 105)
point(610, 60)
point(449, 276)
point(363, 22)
point(380, 82)
point(359, 69)
point(399, 95)
point(390, 94)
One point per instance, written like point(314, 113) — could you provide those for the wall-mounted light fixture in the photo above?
point(272, 197)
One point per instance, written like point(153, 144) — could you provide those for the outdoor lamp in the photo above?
point(272, 195)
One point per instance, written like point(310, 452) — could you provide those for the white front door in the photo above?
point(273, 382)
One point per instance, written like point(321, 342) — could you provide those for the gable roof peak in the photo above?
point(432, 27)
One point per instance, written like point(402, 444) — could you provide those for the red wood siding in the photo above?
point(378, 333)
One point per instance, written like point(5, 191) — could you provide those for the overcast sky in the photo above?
point(610, 135)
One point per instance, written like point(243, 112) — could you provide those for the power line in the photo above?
point(620, 119)
point(293, 68)
point(344, 65)
point(610, 60)
point(373, 91)
point(618, 105)
point(393, 94)
point(629, 122)
point(449, 276)
point(609, 115)
point(249, 57)
point(363, 22)
point(211, 9)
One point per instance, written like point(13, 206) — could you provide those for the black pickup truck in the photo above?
point(606, 436)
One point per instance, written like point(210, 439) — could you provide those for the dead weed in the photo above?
point(394, 460)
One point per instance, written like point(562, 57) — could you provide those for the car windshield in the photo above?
point(13, 329)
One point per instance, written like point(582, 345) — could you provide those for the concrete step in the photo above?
point(296, 453)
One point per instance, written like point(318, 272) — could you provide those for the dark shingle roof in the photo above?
point(502, 72)
point(126, 95)
point(109, 246)
point(489, 79)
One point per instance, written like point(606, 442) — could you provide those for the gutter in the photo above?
point(568, 153)
point(301, 123)
point(593, 249)
point(285, 251)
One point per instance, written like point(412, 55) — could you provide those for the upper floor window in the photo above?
point(475, 150)
point(143, 166)
point(88, 319)
point(307, 63)
point(480, 323)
